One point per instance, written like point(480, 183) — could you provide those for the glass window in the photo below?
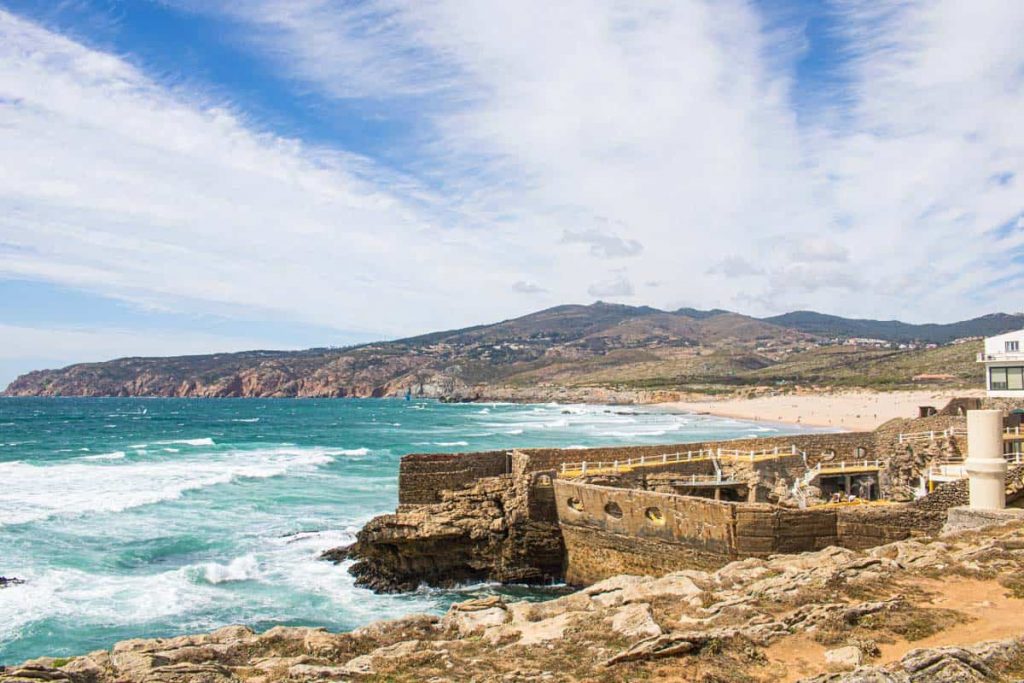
point(997, 378)
point(1014, 379)
point(1012, 346)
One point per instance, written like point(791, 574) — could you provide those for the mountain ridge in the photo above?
point(571, 345)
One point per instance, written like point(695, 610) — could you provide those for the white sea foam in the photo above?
point(116, 455)
point(206, 441)
point(74, 488)
point(245, 568)
point(83, 597)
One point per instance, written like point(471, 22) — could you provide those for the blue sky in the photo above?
point(185, 176)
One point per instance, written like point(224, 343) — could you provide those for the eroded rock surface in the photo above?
point(483, 532)
point(722, 626)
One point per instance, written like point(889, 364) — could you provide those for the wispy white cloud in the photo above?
point(667, 132)
point(603, 244)
point(117, 185)
point(679, 121)
point(616, 287)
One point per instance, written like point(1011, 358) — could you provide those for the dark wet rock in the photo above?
point(336, 555)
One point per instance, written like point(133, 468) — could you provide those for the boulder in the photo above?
point(475, 616)
point(635, 620)
point(849, 657)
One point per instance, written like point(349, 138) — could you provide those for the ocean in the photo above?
point(156, 517)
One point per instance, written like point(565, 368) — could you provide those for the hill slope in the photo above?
point(600, 345)
point(894, 330)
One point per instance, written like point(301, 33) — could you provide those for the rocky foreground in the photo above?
point(914, 611)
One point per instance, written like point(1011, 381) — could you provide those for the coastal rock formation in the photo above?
point(483, 532)
point(756, 620)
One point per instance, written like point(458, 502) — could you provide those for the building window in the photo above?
point(1006, 379)
point(1012, 346)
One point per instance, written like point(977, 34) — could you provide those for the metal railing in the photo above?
point(840, 468)
point(704, 454)
point(1000, 356)
point(932, 435)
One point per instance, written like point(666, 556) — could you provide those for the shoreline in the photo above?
point(845, 410)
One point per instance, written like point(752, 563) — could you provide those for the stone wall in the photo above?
point(422, 477)
point(866, 527)
point(609, 531)
point(655, 533)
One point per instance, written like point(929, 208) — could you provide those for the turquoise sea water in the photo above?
point(143, 518)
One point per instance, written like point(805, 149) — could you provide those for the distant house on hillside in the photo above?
point(1004, 365)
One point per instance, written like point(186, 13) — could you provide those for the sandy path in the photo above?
point(991, 614)
point(853, 410)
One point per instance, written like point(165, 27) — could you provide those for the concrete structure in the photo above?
point(985, 465)
point(1004, 365)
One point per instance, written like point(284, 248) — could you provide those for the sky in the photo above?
point(189, 176)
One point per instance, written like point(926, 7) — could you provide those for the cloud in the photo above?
point(686, 122)
point(818, 249)
point(614, 287)
point(117, 185)
point(602, 244)
point(524, 287)
point(734, 266)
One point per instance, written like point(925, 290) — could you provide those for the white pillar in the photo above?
point(985, 465)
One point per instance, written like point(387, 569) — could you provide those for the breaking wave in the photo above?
point(36, 492)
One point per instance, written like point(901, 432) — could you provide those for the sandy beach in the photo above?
point(851, 410)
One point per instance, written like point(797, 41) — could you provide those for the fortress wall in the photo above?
point(593, 555)
point(696, 533)
point(422, 477)
point(865, 527)
point(685, 532)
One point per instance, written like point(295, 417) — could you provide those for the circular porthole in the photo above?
point(613, 510)
point(654, 516)
point(575, 504)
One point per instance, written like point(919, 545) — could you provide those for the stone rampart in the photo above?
point(609, 531)
point(422, 477)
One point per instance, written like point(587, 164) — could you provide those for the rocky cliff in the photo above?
point(481, 533)
point(914, 611)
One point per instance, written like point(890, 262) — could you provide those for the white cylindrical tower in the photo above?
point(985, 465)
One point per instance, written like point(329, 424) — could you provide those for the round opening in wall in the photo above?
point(613, 510)
point(654, 516)
point(575, 504)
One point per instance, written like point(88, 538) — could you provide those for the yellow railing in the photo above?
point(703, 455)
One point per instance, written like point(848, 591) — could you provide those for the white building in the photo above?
point(1004, 365)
